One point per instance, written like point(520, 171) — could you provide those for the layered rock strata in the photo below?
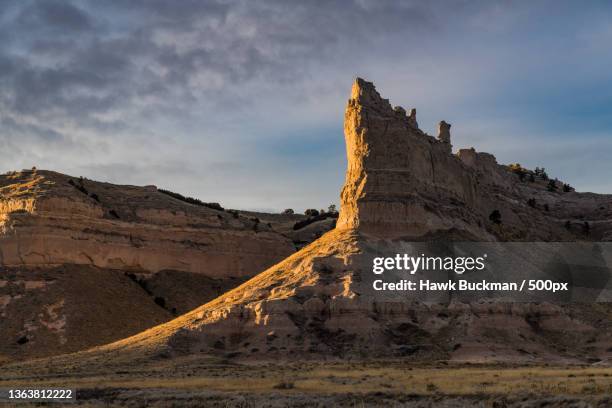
point(403, 183)
point(50, 219)
point(83, 263)
point(404, 192)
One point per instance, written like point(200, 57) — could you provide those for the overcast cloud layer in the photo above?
point(241, 102)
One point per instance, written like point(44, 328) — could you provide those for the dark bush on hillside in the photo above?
point(495, 217)
point(79, 186)
point(142, 283)
point(114, 214)
point(256, 222)
point(160, 301)
point(284, 385)
point(191, 200)
point(288, 211)
point(301, 224)
point(567, 188)
point(541, 172)
point(531, 202)
point(552, 185)
point(311, 212)
point(95, 197)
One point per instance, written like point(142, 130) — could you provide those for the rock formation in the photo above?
point(49, 219)
point(412, 118)
point(403, 183)
point(404, 192)
point(141, 257)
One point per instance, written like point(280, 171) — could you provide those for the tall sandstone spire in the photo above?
point(400, 180)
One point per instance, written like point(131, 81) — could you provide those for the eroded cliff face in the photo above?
point(400, 182)
point(46, 221)
point(401, 186)
point(403, 183)
point(319, 304)
point(84, 263)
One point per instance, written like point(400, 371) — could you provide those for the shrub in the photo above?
point(114, 214)
point(531, 202)
point(586, 227)
point(256, 222)
point(432, 387)
point(79, 186)
point(191, 200)
point(284, 385)
point(332, 208)
point(495, 217)
point(160, 301)
point(568, 225)
point(311, 212)
point(214, 206)
point(541, 172)
point(552, 185)
point(567, 188)
point(301, 224)
point(142, 283)
point(519, 170)
point(288, 211)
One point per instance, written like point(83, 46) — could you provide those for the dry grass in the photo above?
point(337, 378)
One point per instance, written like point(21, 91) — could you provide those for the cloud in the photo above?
point(54, 15)
point(247, 97)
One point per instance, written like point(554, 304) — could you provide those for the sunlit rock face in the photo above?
point(50, 219)
point(399, 179)
point(402, 185)
point(83, 263)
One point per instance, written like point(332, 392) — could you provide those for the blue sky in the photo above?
point(242, 102)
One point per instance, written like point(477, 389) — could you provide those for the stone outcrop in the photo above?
point(412, 118)
point(47, 221)
point(444, 135)
point(404, 192)
point(399, 180)
point(141, 256)
point(403, 183)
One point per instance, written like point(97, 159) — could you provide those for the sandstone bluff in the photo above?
point(84, 263)
point(403, 188)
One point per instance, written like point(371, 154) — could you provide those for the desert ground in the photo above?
point(217, 382)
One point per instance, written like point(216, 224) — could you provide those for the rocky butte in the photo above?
point(403, 183)
point(403, 189)
point(85, 263)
